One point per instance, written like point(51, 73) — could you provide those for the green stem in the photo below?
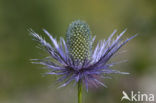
point(80, 91)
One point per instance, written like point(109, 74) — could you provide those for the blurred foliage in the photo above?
point(22, 82)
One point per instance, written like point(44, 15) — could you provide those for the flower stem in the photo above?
point(80, 91)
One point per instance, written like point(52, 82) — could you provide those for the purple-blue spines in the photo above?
point(90, 71)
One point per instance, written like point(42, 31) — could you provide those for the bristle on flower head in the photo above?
point(75, 60)
point(79, 40)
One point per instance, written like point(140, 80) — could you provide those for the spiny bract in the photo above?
point(76, 60)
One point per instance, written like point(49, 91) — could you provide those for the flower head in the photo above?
point(75, 60)
point(79, 41)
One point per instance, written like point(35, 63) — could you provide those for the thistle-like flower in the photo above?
point(75, 59)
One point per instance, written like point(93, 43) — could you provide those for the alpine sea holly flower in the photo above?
point(75, 59)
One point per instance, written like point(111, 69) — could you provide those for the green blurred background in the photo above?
point(22, 82)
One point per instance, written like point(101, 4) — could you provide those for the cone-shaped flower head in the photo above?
point(79, 41)
point(76, 60)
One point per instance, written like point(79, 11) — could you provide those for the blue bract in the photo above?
point(76, 60)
